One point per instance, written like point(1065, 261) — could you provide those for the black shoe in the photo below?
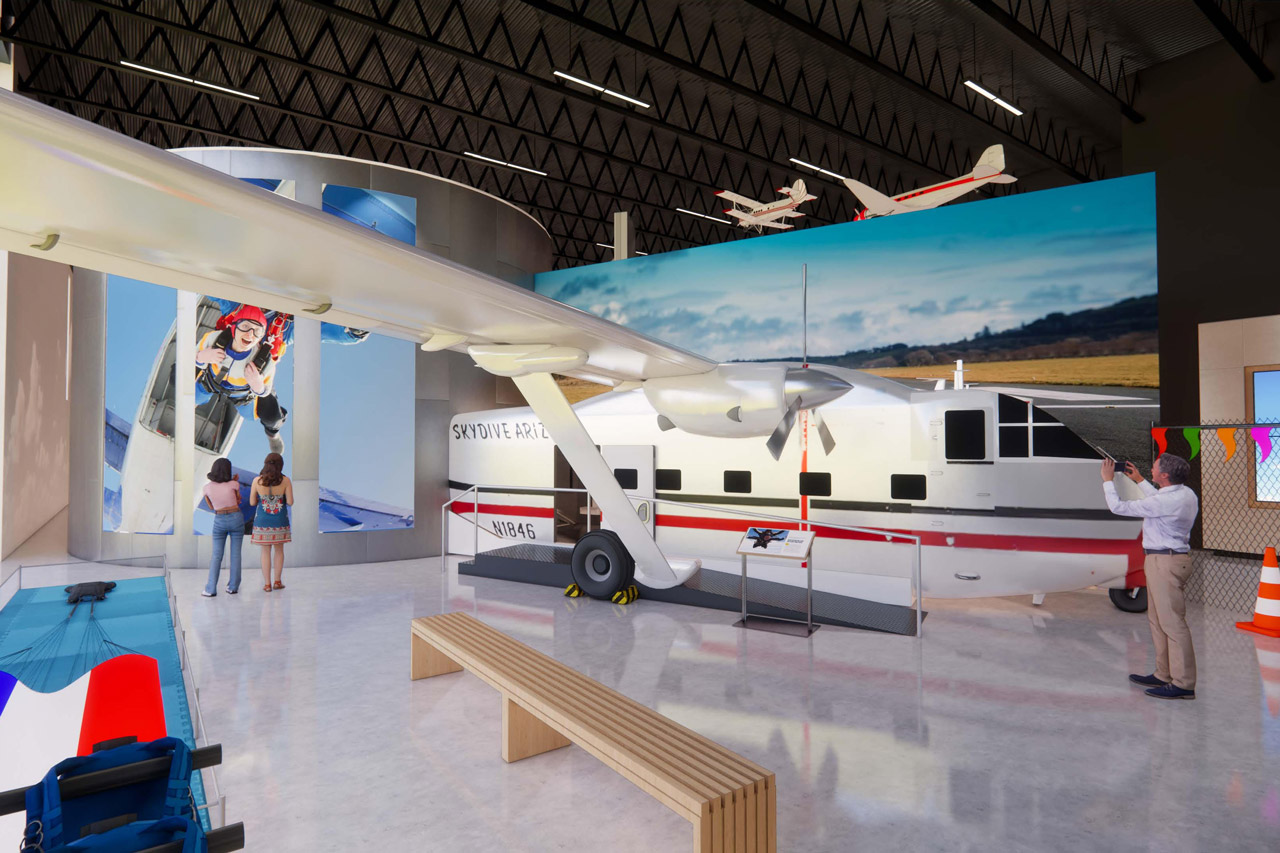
point(1147, 680)
point(1171, 691)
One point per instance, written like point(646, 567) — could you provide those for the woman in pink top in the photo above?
point(222, 494)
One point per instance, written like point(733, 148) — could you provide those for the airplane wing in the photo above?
point(739, 199)
point(340, 511)
point(124, 207)
point(768, 223)
point(115, 440)
point(877, 203)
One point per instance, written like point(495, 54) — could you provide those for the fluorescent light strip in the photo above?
point(1008, 106)
point(186, 79)
point(225, 89)
point(601, 89)
point(826, 172)
point(642, 253)
point(702, 215)
point(157, 71)
point(604, 245)
point(504, 163)
point(990, 97)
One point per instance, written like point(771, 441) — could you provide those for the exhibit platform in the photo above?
point(548, 565)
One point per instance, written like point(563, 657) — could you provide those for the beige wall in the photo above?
point(1226, 349)
point(36, 410)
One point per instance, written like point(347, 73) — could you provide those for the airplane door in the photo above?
point(632, 466)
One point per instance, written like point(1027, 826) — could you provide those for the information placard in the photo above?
point(774, 542)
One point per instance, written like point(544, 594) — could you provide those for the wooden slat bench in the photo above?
point(730, 801)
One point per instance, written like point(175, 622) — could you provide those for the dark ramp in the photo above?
point(548, 565)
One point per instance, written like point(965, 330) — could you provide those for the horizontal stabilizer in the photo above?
point(876, 202)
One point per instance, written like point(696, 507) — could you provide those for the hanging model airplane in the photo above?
point(989, 170)
point(760, 215)
point(124, 207)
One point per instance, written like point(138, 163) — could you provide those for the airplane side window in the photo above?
point(738, 482)
point(907, 487)
point(966, 437)
point(628, 478)
point(1057, 440)
point(1012, 410)
point(813, 483)
point(667, 479)
point(1014, 441)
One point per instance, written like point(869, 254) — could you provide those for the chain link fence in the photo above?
point(1236, 469)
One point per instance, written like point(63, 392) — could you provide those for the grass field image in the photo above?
point(1141, 370)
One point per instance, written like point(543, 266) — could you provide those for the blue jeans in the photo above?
point(226, 525)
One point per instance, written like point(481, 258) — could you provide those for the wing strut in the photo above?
point(530, 368)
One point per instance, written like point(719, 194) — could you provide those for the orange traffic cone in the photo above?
point(1266, 614)
point(1269, 668)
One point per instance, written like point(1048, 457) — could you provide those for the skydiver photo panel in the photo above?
point(244, 393)
point(141, 350)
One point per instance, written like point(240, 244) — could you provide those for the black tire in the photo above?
point(601, 564)
point(1122, 599)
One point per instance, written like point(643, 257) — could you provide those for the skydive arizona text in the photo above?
point(501, 430)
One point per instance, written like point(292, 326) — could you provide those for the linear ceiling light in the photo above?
point(504, 163)
point(990, 97)
point(702, 215)
point(186, 79)
point(601, 89)
point(816, 168)
point(610, 246)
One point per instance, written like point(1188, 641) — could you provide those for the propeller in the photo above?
point(824, 432)
point(782, 432)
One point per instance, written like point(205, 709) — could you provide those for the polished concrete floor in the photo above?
point(1009, 727)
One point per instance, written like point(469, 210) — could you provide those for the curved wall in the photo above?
point(454, 221)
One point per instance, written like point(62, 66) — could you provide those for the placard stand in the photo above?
point(789, 545)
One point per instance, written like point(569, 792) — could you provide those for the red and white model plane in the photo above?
point(761, 215)
point(989, 170)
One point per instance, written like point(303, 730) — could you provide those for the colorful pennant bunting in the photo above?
point(1227, 435)
point(1192, 435)
point(1158, 433)
point(1262, 437)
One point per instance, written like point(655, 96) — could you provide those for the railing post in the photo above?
point(475, 524)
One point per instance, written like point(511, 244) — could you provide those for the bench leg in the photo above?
point(524, 735)
point(425, 660)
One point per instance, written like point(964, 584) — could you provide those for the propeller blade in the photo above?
point(824, 432)
point(782, 432)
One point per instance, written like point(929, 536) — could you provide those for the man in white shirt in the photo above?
point(1168, 509)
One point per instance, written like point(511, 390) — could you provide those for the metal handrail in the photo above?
point(917, 584)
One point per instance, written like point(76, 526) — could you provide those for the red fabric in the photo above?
point(123, 699)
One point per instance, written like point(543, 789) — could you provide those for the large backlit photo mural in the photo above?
point(1055, 288)
point(138, 475)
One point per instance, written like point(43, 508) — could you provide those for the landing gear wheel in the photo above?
point(601, 564)
point(1130, 600)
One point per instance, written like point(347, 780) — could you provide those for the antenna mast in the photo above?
point(804, 314)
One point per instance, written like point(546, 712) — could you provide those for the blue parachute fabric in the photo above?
point(61, 822)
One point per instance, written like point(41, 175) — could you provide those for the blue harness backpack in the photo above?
point(143, 835)
point(53, 823)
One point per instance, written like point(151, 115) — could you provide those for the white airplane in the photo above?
point(760, 215)
point(989, 170)
point(80, 194)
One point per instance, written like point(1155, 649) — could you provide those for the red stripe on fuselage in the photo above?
point(1130, 548)
point(917, 193)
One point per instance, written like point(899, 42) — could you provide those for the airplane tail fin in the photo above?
point(796, 190)
point(991, 162)
point(876, 202)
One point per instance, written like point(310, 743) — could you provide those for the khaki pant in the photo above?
point(1167, 612)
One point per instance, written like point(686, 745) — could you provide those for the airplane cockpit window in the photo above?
point(966, 438)
point(1028, 431)
point(738, 482)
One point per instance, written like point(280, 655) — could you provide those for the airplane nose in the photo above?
point(813, 387)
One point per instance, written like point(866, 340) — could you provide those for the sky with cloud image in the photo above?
point(919, 278)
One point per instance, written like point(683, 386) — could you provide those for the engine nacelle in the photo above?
point(740, 400)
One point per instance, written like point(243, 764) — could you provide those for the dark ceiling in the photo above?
point(736, 88)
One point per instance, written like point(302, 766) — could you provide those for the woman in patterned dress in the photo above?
point(272, 494)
